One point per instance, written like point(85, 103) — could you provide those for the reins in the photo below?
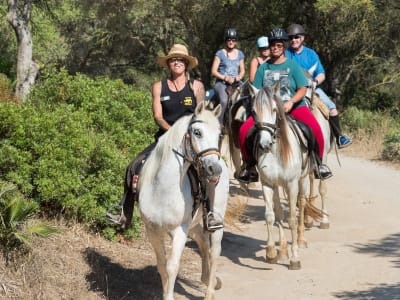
point(191, 152)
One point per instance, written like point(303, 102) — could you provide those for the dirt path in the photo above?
point(357, 258)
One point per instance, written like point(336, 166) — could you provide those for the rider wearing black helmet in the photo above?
point(293, 87)
point(309, 60)
point(228, 67)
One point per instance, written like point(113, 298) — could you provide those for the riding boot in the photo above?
point(335, 125)
point(124, 219)
point(341, 140)
point(248, 174)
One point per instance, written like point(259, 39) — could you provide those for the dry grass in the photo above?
point(80, 265)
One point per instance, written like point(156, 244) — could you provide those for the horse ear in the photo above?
point(217, 111)
point(200, 107)
point(253, 90)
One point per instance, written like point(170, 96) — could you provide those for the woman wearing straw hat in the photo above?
point(173, 97)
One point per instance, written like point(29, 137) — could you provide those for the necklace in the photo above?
point(176, 88)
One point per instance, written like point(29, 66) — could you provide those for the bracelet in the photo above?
point(316, 81)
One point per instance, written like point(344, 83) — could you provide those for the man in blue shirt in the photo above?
point(309, 60)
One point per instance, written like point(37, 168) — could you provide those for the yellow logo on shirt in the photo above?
point(188, 101)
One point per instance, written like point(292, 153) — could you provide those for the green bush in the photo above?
point(391, 146)
point(68, 146)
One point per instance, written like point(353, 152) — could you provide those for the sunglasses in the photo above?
point(296, 37)
point(176, 59)
point(263, 48)
point(277, 45)
point(230, 40)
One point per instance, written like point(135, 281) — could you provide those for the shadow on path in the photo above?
point(114, 281)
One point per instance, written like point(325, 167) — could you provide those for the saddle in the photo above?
point(132, 177)
point(303, 133)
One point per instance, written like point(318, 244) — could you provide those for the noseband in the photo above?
point(271, 128)
point(192, 154)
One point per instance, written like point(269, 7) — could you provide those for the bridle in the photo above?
point(271, 128)
point(192, 154)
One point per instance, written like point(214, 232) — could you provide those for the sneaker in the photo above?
point(344, 141)
point(214, 221)
point(324, 172)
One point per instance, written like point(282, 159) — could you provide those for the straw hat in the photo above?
point(178, 50)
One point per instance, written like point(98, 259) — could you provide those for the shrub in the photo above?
point(15, 232)
point(391, 146)
point(68, 146)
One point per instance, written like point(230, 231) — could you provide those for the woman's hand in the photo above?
point(288, 105)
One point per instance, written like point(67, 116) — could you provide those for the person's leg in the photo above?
point(341, 139)
point(304, 115)
point(223, 98)
point(128, 199)
point(249, 173)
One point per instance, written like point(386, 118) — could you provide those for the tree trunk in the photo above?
point(19, 17)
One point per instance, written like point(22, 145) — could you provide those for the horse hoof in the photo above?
point(294, 265)
point(303, 244)
point(283, 255)
point(324, 226)
point(309, 225)
point(218, 284)
point(271, 260)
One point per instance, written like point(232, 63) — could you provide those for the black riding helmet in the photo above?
point(230, 33)
point(277, 34)
point(295, 29)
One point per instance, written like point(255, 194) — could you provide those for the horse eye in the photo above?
point(197, 133)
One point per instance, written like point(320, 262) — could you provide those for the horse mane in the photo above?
point(285, 152)
point(170, 140)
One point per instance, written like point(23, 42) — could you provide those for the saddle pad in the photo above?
point(319, 104)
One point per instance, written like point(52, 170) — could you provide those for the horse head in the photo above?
point(270, 122)
point(202, 141)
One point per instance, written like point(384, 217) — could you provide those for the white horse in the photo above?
point(317, 186)
point(281, 162)
point(166, 203)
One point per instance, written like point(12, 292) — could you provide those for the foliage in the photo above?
point(6, 93)
point(16, 233)
point(391, 149)
point(68, 147)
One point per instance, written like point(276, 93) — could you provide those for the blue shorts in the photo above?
point(324, 97)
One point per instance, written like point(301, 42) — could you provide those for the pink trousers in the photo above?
point(301, 113)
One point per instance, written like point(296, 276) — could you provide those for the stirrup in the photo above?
point(217, 225)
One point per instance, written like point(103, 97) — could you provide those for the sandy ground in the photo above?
point(358, 257)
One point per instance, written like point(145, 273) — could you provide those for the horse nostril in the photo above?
point(214, 169)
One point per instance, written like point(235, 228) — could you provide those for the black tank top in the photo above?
point(176, 104)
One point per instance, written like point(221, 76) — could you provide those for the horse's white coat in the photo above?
point(166, 202)
point(277, 171)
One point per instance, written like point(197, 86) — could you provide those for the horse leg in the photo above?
point(198, 234)
point(237, 164)
point(179, 237)
point(323, 190)
point(157, 240)
point(292, 191)
point(279, 218)
point(215, 252)
point(308, 220)
point(301, 240)
point(271, 253)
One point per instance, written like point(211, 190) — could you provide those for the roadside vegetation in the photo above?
point(65, 146)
